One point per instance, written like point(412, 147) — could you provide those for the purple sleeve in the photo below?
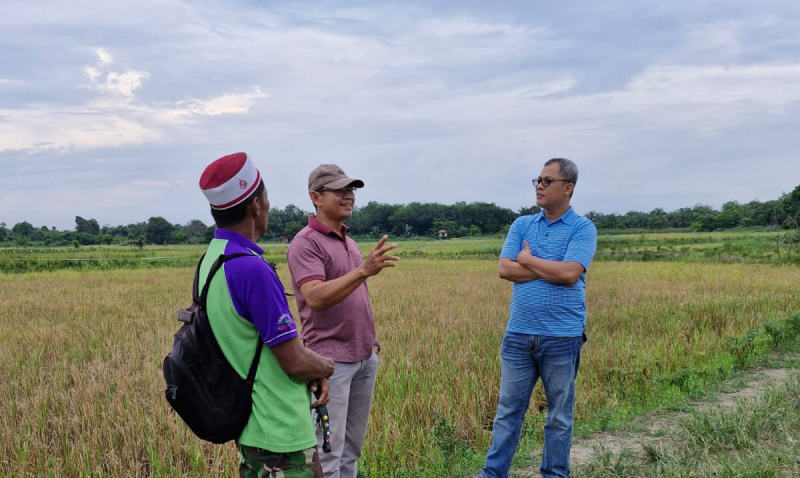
point(258, 296)
point(305, 261)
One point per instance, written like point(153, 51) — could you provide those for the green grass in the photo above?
point(751, 439)
point(758, 247)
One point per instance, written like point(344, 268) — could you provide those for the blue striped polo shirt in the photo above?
point(541, 307)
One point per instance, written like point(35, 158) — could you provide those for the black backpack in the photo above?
point(202, 386)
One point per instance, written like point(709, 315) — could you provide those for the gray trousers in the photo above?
point(350, 399)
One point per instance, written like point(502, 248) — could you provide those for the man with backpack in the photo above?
point(245, 301)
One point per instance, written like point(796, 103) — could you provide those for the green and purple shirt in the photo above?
point(246, 299)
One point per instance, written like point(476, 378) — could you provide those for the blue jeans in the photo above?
point(524, 359)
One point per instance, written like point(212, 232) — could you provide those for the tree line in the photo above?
point(413, 220)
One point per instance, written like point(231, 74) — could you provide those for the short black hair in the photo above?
point(236, 214)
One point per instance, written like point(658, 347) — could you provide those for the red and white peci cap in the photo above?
point(229, 180)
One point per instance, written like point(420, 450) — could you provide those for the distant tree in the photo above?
point(137, 230)
point(179, 237)
point(209, 235)
point(106, 239)
point(158, 230)
point(530, 210)
point(86, 239)
point(707, 223)
point(292, 229)
point(23, 229)
point(292, 213)
point(76, 244)
point(373, 219)
point(791, 203)
point(402, 218)
point(489, 217)
point(682, 217)
point(731, 215)
point(634, 219)
point(658, 219)
point(450, 226)
point(195, 231)
point(88, 226)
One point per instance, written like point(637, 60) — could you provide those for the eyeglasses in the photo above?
point(546, 182)
point(338, 192)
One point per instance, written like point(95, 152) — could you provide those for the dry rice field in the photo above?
point(80, 358)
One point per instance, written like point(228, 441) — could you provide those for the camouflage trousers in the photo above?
point(258, 463)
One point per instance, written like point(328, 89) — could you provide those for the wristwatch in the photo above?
point(377, 344)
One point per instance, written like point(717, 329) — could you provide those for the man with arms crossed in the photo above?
point(245, 300)
point(546, 256)
point(329, 277)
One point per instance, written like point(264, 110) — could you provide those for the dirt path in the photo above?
point(655, 426)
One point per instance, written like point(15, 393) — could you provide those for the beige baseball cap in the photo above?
point(332, 177)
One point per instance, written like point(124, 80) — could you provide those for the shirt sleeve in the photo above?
point(258, 296)
point(582, 245)
point(305, 261)
point(514, 239)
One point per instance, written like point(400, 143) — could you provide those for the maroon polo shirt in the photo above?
point(344, 332)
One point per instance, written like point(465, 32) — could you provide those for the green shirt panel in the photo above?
point(281, 418)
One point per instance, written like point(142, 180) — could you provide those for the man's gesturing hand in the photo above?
point(377, 258)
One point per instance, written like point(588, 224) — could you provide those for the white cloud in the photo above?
point(560, 85)
point(114, 82)
point(470, 27)
point(104, 56)
point(43, 127)
point(124, 83)
point(114, 117)
point(768, 84)
point(92, 73)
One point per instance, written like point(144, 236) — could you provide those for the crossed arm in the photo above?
point(528, 267)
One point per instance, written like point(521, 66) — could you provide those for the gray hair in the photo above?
point(567, 168)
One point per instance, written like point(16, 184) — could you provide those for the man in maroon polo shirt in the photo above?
point(329, 277)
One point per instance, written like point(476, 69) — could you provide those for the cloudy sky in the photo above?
point(111, 110)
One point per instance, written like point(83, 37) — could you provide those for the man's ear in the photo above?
point(257, 207)
point(315, 196)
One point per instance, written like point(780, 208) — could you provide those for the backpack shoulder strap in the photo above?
point(251, 375)
point(223, 258)
point(195, 284)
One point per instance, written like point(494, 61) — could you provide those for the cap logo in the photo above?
point(242, 184)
